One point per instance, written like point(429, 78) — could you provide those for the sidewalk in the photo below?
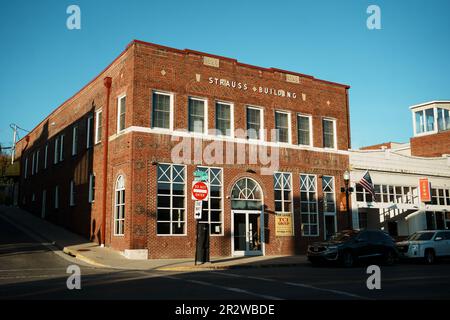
point(104, 257)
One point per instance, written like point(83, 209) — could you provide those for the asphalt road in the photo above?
point(33, 270)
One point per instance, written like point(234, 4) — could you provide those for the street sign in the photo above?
point(200, 175)
point(198, 210)
point(200, 191)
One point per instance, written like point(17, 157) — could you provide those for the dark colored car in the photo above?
point(350, 246)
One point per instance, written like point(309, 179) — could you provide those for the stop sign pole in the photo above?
point(200, 193)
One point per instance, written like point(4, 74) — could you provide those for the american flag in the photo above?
point(366, 183)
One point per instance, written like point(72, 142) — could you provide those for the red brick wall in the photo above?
point(433, 145)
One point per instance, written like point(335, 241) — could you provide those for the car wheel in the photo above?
point(430, 257)
point(347, 259)
point(389, 259)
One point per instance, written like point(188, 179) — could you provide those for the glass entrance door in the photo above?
point(247, 233)
point(330, 226)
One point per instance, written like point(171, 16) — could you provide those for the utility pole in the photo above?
point(13, 151)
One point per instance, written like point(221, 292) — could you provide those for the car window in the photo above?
point(447, 235)
point(343, 236)
point(421, 236)
point(441, 234)
point(364, 236)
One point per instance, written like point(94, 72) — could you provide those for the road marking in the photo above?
point(303, 285)
point(232, 289)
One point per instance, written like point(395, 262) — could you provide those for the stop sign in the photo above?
point(199, 191)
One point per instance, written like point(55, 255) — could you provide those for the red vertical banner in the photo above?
point(424, 190)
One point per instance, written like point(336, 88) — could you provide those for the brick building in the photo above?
point(171, 112)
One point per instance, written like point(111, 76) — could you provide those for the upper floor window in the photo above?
point(45, 156)
point(283, 126)
point(224, 120)
point(61, 149)
point(443, 119)
point(254, 123)
point(121, 110)
point(329, 133)
point(74, 140)
point(57, 151)
point(197, 115)
point(304, 130)
point(162, 110)
point(89, 132)
point(56, 197)
point(37, 162)
point(98, 126)
point(424, 120)
point(329, 205)
point(283, 192)
point(33, 157)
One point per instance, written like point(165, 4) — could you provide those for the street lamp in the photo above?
point(347, 191)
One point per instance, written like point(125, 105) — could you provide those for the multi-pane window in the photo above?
point(119, 207)
point(254, 123)
point(328, 133)
point(282, 185)
point(223, 119)
point(57, 151)
point(91, 195)
point(121, 110)
point(329, 205)
point(171, 200)
point(388, 193)
point(197, 111)
point(161, 110)
point(74, 140)
point(45, 156)
point(308, 205)
point(283, 125)
point(56, 197)
point(37, 162)
point(98, 126)
point(443, 119)
point(304, 130)
point(212, 210)
point(72, 193)
point(89, 128)
point(440, 196)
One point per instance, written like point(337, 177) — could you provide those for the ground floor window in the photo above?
point(308, 205)
point(171, 200)
point(212, 211)
point(119, 207)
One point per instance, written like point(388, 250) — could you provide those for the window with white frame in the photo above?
point(119, 207)
point(89, 132)
point(197, 115)
point(329, 134)
point(254, 123)
point(74, 140)
point(56, 197)
point(36, 170)
point(25, 170)
point(171, 200)
point(282, 185)
point(45, 156)
point(56, 157)
point(121, 110)
point(304, 130)
point(329, 202)
point(443, 119)
point(212, 210)
point(308, 205)
point(162, 110)
point(283, 126)
point(98, 126)
point(224, 119)
point(91, 194)
point(72, 193)
point(61, 148)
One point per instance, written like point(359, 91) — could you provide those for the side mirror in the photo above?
point(438, 239)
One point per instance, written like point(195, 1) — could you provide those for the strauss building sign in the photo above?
point(257, 89)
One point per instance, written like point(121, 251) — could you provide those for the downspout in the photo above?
point(107, 83)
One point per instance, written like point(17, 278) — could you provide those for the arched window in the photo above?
point(119, 207)
point(246, 195)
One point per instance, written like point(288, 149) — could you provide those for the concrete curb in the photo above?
point(74, 253)
point(206, 268)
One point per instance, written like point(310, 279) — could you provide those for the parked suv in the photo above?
point(350, 246)
point(427, 245)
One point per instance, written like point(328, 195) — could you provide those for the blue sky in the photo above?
point(407, 62)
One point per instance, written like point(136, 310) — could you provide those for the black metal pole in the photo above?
point(349, 218)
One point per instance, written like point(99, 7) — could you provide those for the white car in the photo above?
point(427, 245)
